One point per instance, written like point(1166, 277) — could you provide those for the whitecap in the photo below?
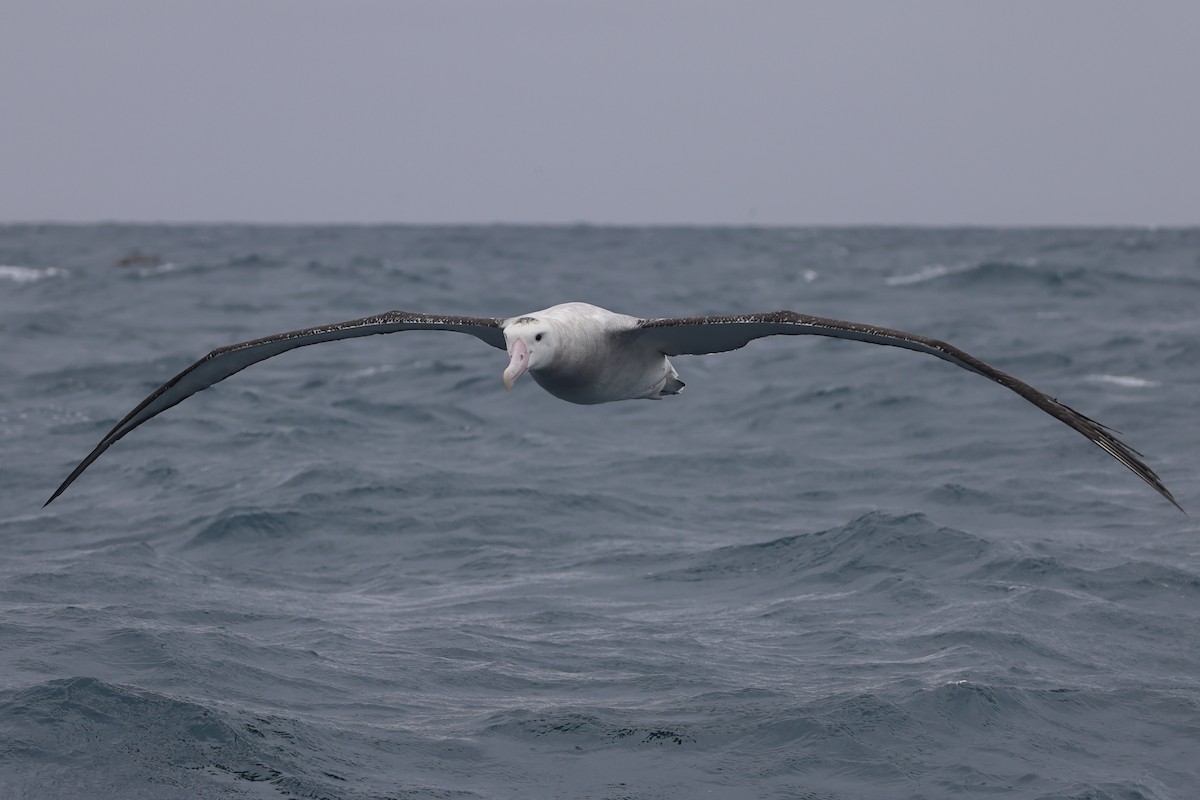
point(29, 274)
point(926, 273)
point(158, 269)
point(1127, 381)
point(370, 372)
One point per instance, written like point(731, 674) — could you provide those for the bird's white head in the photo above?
point(531, 346)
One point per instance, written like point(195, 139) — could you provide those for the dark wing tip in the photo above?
point(105, 443)
point(1101, 435)
point(62, 488)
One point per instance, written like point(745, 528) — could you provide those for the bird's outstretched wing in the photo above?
point(225, 361)
point(718, 334)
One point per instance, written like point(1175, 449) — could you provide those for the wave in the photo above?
point(881, 545)
point(982, 273)
point(74, 733)
point(1123, 583)
point(84, 737)
point(586, 729)
point(926, 273)
point(18, 274)
point(875, 543)
point(954, 739)
point(158, 269)
point(251, 526)
point(1125, 381)
point(942, 740)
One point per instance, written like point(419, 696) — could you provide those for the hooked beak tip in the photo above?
point(518, 363)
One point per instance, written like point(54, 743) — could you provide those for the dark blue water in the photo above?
point(826, 570)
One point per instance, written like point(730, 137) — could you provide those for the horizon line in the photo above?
point(601, 224)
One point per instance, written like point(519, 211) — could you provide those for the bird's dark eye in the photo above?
point(537, 338)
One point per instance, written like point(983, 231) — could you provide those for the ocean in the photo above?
point(826, 570)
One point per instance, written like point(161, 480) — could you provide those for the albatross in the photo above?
point(585, 354)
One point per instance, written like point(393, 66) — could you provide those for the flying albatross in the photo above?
point(585, 354)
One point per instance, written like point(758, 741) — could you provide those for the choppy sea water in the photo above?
point(826, 570)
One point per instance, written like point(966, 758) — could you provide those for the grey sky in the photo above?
point(642, 111)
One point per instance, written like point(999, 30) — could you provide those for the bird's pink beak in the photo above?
point(518, 363)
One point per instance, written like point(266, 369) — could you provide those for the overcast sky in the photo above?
point(637, 111)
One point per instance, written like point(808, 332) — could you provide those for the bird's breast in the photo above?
point(574, 386)
point(604, 380)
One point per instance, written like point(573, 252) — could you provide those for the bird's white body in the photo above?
point(577, 352)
